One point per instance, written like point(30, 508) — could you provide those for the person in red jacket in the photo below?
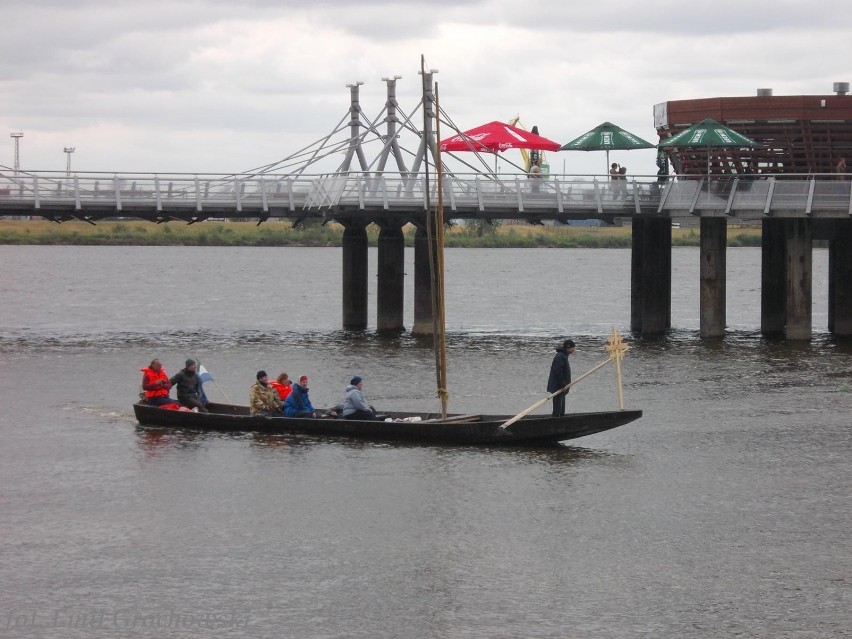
point(282, 385)
point(156, 384)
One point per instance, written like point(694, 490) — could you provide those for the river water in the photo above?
point(724, 511)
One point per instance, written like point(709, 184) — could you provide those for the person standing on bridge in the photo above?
point(560, 376)
point(841, 169)
point(535, 176)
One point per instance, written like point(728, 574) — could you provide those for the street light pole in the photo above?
point(68, 150)
point(17, 135)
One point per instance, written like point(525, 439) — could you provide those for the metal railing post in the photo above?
point(158, 196)
point(116, 186)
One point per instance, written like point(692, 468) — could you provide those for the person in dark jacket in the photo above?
point(560, 376)
point(189, 386)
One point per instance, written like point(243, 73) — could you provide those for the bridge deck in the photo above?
point(94, 196)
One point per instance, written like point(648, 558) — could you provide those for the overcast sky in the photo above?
point(225, 86)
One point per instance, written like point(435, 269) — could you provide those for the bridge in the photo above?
point(793, 210)
point(365, 194)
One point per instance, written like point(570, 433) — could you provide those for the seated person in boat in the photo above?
point(354, 404)
point(156, 384)
point(282, 386)
point(263, 400)
point(298, 403)
point(189, 386)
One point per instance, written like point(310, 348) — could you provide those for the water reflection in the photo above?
point(157, 441)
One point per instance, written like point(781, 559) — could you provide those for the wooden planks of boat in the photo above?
point(426, 428)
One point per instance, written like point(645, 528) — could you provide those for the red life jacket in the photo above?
point(151, 377)
point(283, 391)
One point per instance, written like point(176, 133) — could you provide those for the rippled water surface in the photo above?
point(724, 511)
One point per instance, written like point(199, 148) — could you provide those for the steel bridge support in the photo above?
point(714, 238)
point(651, 276)
point(390, 294)
point(355, 276)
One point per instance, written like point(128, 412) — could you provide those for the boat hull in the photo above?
point(465, 430)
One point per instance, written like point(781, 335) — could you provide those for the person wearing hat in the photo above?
point(189, 386)
point(298, 403)
point(560, 376)
point(263, 400)
point(354, 404)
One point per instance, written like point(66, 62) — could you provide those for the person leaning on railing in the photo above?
point(535, 177)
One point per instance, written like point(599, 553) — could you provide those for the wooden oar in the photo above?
point(541, 402)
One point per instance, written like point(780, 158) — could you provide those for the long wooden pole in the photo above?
point(431, 235)
point(541, 402)
point(439, 234)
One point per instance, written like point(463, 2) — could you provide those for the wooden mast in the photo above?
point(435, 238)
point(439, 282)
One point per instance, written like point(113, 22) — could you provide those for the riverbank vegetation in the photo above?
point(275, 233)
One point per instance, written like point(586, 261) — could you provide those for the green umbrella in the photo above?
point(607, 137)
point(708, 134)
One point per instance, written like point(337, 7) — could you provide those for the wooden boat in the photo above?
point(430, 429)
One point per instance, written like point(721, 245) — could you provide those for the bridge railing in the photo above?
point(158, 192)
point(203, 195)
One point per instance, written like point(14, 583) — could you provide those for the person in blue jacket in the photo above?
point(298, 404)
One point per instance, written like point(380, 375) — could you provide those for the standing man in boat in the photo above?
point(560, 376)
point(156, 384)
point(298, 403)
point(189, 386)
point(263, 400)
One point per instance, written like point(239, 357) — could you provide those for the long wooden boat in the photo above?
point(430, 428)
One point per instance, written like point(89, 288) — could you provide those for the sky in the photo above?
point(222, 86)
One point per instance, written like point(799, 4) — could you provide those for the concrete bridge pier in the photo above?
point(773, 275)
point(799, 260)
point(786, 267)
point(714, 236)
point(651, 276)
point(422, 283)
point(354, 276)
point(390, 293)
point(840, 279)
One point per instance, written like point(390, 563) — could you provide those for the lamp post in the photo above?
point(68, 150)
point(17, 135)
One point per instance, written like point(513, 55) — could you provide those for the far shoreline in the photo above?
point(133, 232)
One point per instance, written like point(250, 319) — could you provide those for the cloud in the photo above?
point(208, 85)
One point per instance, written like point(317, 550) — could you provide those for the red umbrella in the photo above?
point(497, 136)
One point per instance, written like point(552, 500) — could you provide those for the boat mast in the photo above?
point(439, 282)
point(435, 238)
